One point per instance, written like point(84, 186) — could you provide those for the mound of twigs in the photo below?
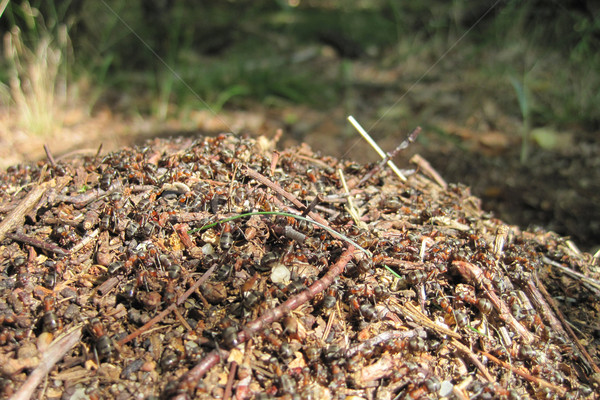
point(220, 268)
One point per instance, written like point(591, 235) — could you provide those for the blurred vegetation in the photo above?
point(167, 57)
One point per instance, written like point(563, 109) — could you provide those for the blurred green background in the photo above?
point(177, 55)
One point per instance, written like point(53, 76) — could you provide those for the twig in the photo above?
point(279, 190)
point(534, 294)
point(396, 262)
point(83, 199)
point(586, 356)
point(523, 374)
point(16, 216)
point(328, 326)
point(54, 353)
point(465, 350)
point(473, 273)
point(382, 338)
point(569, 271)
point(87, 239)
point(303, 297)
point(413, 312)
point(375, 146)
point(49, 155)
point(232, 370)
point(312, 205)
point(167, 310)
point(183, 217)
point(40, 244)
point(274, 160)
point(189, 380)
point(389, 156)
point(428, 170)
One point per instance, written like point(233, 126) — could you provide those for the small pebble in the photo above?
point(446, 389)
point(280, 273)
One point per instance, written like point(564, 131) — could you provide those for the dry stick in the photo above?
point(85, 241)
point(413, 312)
point(279, 190)
point(49, 155)
point(428, 170)
point(17, 215)
point(83, 199)
point(189, 217)
point(473, 273)
point(167, 310)
point(405, 143)
point(383, 337)
point(54, 353)
point(523, 374)
point(352, 210)
point(189, 380)
point(274, 160)
point(465, 350)
point(40, 244)
point(232, 370)
point(586, 356)
point(328, 326)
point(312, 205)
point(575, 274)
point(375, 146)
point(538, 299)
point(396, 262)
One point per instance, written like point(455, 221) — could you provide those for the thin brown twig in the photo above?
point(534, 295)
point(469, 353)
point(575, 274)
point(82, 199)
point(274, 159)
point(413, 312)
point(54, 353)
point(586, 356)
point(328, 326)
point(312, 205)
point(35, 242)
point(183, 217)
point(389, 156)
point(189, 380)
point(279, 190)
point(473, 273)
point(167, 310)
point(524, 374)
point(383, 337)
point(85, 241)
point(49, 155)
point(230, 378)
point(399, 263)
